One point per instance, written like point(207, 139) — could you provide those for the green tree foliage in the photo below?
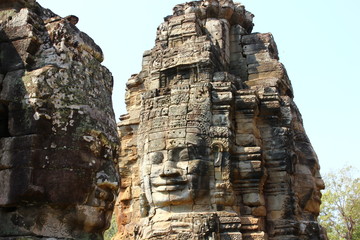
point(111, 232)
point(340, 209)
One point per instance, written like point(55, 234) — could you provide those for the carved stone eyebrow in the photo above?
point(184, 153)
point(193, 151)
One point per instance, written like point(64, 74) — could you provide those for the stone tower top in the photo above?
point(235, 13)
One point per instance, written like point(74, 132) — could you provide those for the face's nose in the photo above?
point(169, 169)
point(318, 181)
point(320, 184)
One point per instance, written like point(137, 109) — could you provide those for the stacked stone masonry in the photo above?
point(58, 135)
point(213, 146)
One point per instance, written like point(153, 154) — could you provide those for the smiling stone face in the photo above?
point(175, 176)
point(174, 144)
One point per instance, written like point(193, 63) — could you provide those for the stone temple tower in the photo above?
point(213, 145)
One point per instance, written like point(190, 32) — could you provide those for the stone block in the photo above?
point(190, 17)
point(235, 48)
point(157, 135)
point(13, 86)
point(13, 184)
point(222, 86)
point(258, 38)
point(273, 215)
point(259, 211)
point(245, 210)
point(176, 20)
point(10, 33)
point(264, 81)
point(247, 150)
point(246, 140)
point(218, 175)
point(17, 54)
point(251, 169)
point(220, 76)
point(237, 30)
point(278, 74)
point(13, 60)
point(15, 159)
point(176, 133)
point(157, 145)
point(178, 110)
point(176, 142)
point(265, 67)
point(280, 176)
point(17, 26)
point(221, 97)
point(22, 121)
point(255, 236)
point(274, 154)
point(260, 57)
point(221, 120)
point(154, 84)
point(245, 128)
point(215, 28)
point(253, 199)
point(276, 203)
point(230, 235)
point(175, 31)
point(249, 220)
point(176, 123)
point(255, 48)
point(59, 187)
point(190, 29)
point(125, 194)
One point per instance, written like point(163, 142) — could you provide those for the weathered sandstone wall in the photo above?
point(58, 135)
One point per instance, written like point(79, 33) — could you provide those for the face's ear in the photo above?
point(72, 19)
point(144, 205)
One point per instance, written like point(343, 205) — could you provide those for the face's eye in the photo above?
point(195, 152)
point(156, 157)
point(184, 155)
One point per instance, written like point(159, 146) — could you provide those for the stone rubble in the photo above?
point(213, 145)
point(58, 135)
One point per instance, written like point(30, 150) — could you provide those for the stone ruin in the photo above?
point(58, 135)
point(212, 147)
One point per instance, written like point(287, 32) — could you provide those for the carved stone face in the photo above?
point(175, 176)
point(57, 146)
point(98, 209)
point(313, 204)
point(95, 213)
point(173, 145)
point(308, 181)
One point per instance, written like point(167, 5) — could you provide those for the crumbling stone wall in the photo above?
point(213, 146)
point(58, 135)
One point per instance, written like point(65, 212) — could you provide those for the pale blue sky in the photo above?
point(317, 42)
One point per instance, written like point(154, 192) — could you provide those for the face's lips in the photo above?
point(317, 196)
point(169, 184)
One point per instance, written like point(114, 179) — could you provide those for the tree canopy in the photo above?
point(340, 210)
